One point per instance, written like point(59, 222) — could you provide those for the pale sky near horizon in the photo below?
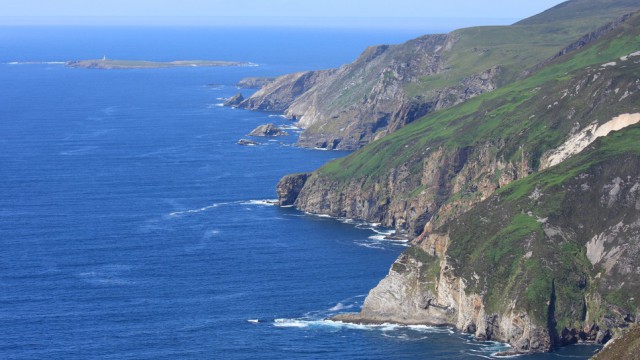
point(34, 12)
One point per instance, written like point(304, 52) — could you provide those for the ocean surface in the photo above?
point(133, 227)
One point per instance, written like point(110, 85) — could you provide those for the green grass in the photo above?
point(502, 114)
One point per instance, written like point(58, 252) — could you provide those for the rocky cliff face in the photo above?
point(551, 260)
point(526, 237)
point(407, 198)
point(278, 94)
point(390, 86)
point(418, 177)
point(348, 107)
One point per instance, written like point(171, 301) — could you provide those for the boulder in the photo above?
point(246, 142)
point(235, 100)
point(268, 130)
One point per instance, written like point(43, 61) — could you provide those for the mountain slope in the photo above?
point(527, 200)
point(438, 166)
point(548, 260)
point(388, 87)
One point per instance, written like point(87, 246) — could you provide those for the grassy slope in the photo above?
point(513, 48)
point(523, 44)
point(502, 114)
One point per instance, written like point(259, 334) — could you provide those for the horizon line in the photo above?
point(395, 22)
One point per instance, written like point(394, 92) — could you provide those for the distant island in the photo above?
point(105, 63)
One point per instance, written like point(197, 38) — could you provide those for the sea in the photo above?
point(132, 226)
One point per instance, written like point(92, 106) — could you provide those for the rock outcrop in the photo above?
point(247, 142)
point(235, 100)
point(281, 92)
point(289, 187)
point(268, 130)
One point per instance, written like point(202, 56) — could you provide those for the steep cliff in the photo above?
point(437, 167)
point(526, 200)
point(278, 94)
point(390, 86)
point(551, 259)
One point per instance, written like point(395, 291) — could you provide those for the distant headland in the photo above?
point(105, 63)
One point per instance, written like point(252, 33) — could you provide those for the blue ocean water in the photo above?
point(133, 227)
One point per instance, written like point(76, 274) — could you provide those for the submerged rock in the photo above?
point(246, 142)
point(268, 130)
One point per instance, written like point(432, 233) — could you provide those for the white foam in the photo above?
point(194, 211)
point(262, 202)
point(36, 63)
point(340, 306)
point(370, 245)
point(324, 216)
point(290, 323)
point(278, 116)
point(289, 127)
point(265, 202)
point(321, 149)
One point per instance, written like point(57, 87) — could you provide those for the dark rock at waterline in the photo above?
point(235, 100)
point(246, 142)
point(289, 187)
point(268, 130)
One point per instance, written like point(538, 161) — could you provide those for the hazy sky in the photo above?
point(170, 12)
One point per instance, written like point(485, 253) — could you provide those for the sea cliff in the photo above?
point(522, 202)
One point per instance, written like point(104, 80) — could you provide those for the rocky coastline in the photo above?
point(524, 228)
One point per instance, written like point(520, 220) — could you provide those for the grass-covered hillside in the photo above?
point(450, 159)
point(390, 86)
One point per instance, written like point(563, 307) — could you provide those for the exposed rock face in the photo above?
point(268, 130)
point(551, 259)
point(281, 92)
point(289, 187)
point(254, 82)
point(375, 95)
point(421, 289)
point(235, 100)
point(435, 182)
point(512, 268)
point(390, 86)
point(445, 172)
point(586, 136)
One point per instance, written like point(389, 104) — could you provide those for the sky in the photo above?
point(260, 12)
